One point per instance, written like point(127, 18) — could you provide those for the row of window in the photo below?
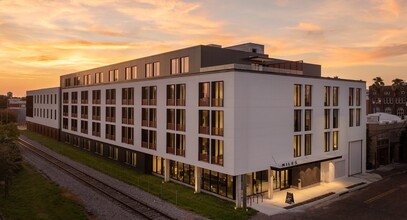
point(45, 113)
point(177, 66)
point(45, 99)
point(354, 97)
point(307, 143)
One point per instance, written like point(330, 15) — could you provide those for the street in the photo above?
point(385, 199)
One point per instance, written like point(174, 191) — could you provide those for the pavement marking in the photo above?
point(381, 195)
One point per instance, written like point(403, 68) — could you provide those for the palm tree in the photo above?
point(396, 87)
point(377, 85)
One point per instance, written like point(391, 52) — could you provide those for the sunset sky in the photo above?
point(41, 40)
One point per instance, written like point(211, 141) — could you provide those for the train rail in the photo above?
point(135, 205)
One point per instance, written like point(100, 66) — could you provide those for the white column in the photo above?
point(166, 170)
point(270, 185)
point(197, 179)
point(238, 191)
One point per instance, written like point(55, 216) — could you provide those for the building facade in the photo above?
point(387, 100)
point(228, 121)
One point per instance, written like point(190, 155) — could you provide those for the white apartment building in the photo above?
point(219, 119)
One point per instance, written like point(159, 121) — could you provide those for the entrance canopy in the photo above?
point(281, 165)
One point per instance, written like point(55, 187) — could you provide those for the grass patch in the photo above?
point(200, 203)
point(32, 196)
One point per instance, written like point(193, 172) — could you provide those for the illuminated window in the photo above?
point(327, 139)
point(297, 120)
point(351, 95)
point(175, 66)
point(308, 120)
point(335, 96)
point(351, 113)
point(358, 117)
point(297, 145)
point(184, 64)
point(327, 117)
point(217, 123)
point(358, 93)
point(308, 144)
point(335, 140)
point(327, 96)
point(308, 95)
point(217, 152)
point(297, 95)
point(335, 121)
point(217, 94)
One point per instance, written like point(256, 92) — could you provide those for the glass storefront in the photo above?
point(257, 182)
point(218, 183)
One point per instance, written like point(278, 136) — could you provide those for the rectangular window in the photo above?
point(127, 135)
point(65, 110)
point(297, 145)
point(127, 115)
point(170, 143)
point(335, 96)
point(127, 73)
point(96, 113)
point(96, 129)
point(84, 127)
point(217, 123)
point(181, 94)
point(171, 95)
point(152, 140)
point(351, 95)
point(335, 140)
point(110, 96)
point(297, 95)
point(96, 97)
point(74, 97)
point(297, 120)
point(144, 117)
point(335, 118)
point(181, 120)
point(308, 95)
point(327, 96)
point(84, 97)
point(65, 123)
point(327, 116)
point(144, 138)
point(149, 70)
point(171, 119)
point(111, 132)
point(358, 117)
point(204, 94)
point(308, 120)
point(153, 118)
point(327, 141)
point(153, 95)
point(65, 97)
point(358, 93)
point(134, 72)
point(217, 152)
point(175, 66)
point(74, 111)
point(184, 64)
point(204, 149)
point(351, 117)
point(217, 94)
point(156, 70)
point(180, 145)
point(308, 144)
point(74, 125)
point(84, 112)
point(204, 122)
point(111, 114)
point(127, 96)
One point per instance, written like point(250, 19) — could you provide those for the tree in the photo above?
point(10, 157)
point(377, 85)
point(3, 101)
point(7, 116)
point(396, 87)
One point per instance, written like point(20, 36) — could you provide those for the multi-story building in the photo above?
point(388, 100)
point(219, 119)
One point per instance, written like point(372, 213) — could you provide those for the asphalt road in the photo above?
point(385, 199)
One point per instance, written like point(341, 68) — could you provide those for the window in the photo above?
point(128, 96)
point(84, 112)
point(153, 118)
point(180, 146)
point(65, 110)
point(65, 97)
point(335, 140)
point(297, 95)
point(127, 135)
point(84, 97)
point(110, 96)
point(204, 122)
point(351, 94)
point(113, 75)
point(134, 72)
point(181, 94)
point(74, 125)
point(144, 117)
point(149, 70)
point(308, 144)
point(217, 94)
point(98, 77)
point(96, 129)
point(152, 140)
point(96, 113)
point(170, 143)
point(308, 95)
point(153, 95)
point(327, 114)
point(127, 115)
point(96, 96)
point(171, 119)
point(131, 158)
point(74, 111)
point(297, 145)
point(175, 66)
point(156, 70)
point(87, 79)
point(351, 117)
point(335, 96)
point(111, 132)
point(180, 119)
point(171, 95)
point(65, 123)
point(204, 94)
point(358, 93)
point(149, 95)
point(335, 121)
point(130, 73)
point(297, 120)
point(388, 110)
point(110, 114)
point(217, 123)
point(358, 117)
point(327, 96)
point(308, 121)
point(204, 149)
point(74, 97)
point(327, 139)
point(84, 127)
point(67, 82)
point(400, 112)
point(76, 80)
point(184, 64)
point(217, 152)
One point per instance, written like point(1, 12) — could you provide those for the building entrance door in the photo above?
point(281, 179)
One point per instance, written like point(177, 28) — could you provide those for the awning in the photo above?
point(303, 161)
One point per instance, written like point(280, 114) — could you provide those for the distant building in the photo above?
point(10, 95)
point(383, 138)
point(18, 106)
point(223, 120)
point(389, 101)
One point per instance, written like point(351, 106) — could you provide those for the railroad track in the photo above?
point(133, 204)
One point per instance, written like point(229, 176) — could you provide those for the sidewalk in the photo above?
point(313, 195)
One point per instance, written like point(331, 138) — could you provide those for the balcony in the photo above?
point(204, 157)
point(170, 126)
point(180, 102)
point(204, 130)
point(144, 123)
point(217, 102)
point(181, 152)
point(144, 101)
point(171, 102)
point(217, 131)
point(153, 102)
point(204, 101)
point(217, 160)
point(180, 127)
point(170, 150)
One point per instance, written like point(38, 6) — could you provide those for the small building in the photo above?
point(383, 139)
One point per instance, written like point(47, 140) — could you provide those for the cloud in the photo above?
point(308, 27)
